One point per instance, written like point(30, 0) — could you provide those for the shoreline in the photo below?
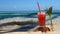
point(17, 19)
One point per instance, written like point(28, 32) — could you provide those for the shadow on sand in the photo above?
point(29, 26)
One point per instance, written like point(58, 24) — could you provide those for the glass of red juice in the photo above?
point(41, 18)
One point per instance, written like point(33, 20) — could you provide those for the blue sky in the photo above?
point(20, 5)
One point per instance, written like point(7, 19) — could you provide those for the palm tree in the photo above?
point(49, 12)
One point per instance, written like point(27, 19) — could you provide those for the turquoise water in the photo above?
point(25, 14)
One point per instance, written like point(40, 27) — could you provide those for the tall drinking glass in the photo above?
point(41, 18)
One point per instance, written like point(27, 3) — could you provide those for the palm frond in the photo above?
point(49, 11)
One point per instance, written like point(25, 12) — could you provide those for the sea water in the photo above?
point(25, 14)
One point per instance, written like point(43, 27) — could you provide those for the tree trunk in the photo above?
point(51, 24)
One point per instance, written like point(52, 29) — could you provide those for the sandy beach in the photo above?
point(56, 28)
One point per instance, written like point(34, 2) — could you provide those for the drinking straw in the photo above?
point(38, 7)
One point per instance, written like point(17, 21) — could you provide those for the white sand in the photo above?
point(56, 23)
point(55, 32)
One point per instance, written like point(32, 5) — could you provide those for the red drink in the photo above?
point(41, 18)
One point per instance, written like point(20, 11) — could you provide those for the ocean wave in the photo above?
point(17, 19)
